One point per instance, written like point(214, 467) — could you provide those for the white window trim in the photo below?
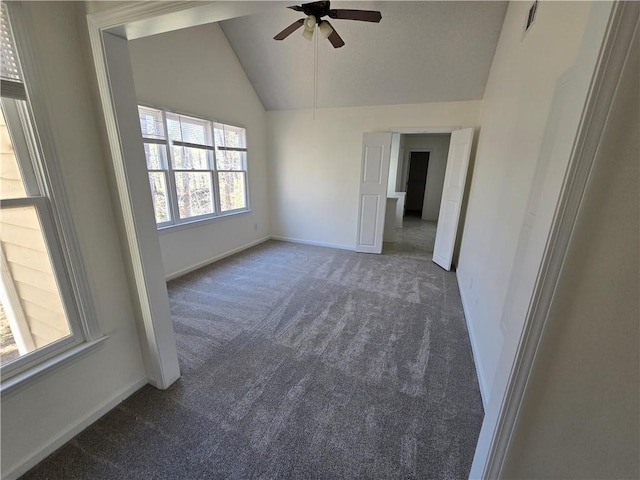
point(48, 364)
point(65, 256)
point(176, 223)
point(199, 223)
point(35, 187)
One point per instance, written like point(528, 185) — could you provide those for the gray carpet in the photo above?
point(416, 238)
point(300, 362)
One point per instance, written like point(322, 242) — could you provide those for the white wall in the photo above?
point(512, 145)
point(580, 415)
point(315, 164)
point(438, 147)
point(401, 180)
point(195, 71)
point(394, 164)
point(38, 417)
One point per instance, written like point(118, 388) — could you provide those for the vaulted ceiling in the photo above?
point(421, 51)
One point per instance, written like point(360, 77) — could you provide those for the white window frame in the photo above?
point(212, 159)
point(31, 138)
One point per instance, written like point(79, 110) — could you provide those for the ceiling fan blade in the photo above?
point(289, 30)
point(334, 38)
point(361, 15)
point(297, 8)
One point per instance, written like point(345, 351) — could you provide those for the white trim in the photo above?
point(31, 459)
point(484, 393)
point(77, 334)
point(612, 58)
point(128, 13)
point(40, 168)
point(209, 261)
point(217, 258)
point(425, 130)
point(49, 159)
point(24, 378)
point(169, 227)
point(214, 172)
point(351, 248)
point(166, 109)
point(163, 371)
point(143, 19)
point(24, 144)
point(135, 20)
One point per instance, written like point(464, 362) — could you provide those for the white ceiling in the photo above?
point(420, 52)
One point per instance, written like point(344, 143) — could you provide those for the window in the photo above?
point(197, 168)
point(39, 312)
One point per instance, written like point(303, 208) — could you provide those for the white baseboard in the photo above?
point(32, 459)
point(209, 261)
point(484, 393)
point(311, 242)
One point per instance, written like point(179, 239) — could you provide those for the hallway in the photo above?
point(415, 239)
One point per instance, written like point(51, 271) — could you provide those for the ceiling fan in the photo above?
point(315, 11)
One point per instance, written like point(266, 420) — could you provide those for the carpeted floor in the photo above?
point(300, 362)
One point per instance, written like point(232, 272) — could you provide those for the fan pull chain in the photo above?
point(315, 74)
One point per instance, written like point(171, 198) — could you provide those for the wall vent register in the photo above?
point(531, 17)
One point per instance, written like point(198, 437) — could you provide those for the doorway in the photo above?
point(416, 178)
point(434, 165)
point(416, 184)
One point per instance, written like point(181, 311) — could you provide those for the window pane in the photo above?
point(230, 160)
point(34, 315)
point(187, 158)
point(218, 134)
point(173, 124)
point(229, 136)
point(8, 347)
point(151, 123)
point(194, 131)
point(232, 190)
point(9, 65)
point(11, 184)
point(156, 156)
point(189, 129)
point(158, 182)
point(195, 194)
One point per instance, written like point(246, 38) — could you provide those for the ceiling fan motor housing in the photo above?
point(316, 9)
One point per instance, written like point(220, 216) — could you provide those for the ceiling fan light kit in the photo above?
point(309, 27)
point(315, 11)
point(308, 34)
point(325, 29)
point(310, 23)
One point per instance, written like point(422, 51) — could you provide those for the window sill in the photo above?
point(199, 223)
point(29, 376)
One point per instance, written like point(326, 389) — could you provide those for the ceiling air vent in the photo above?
point(531, 17)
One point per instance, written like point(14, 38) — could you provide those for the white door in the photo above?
point(376, 152)
point(454, 180)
